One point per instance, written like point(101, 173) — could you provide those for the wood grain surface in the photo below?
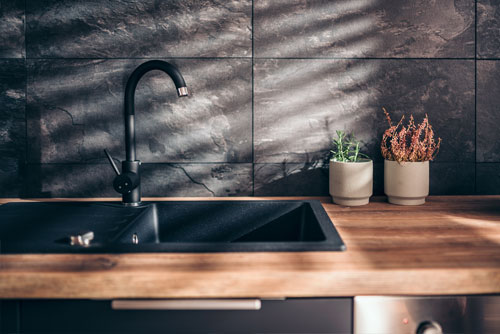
point(450, 245)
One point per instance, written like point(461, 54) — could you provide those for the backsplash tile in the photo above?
point(451, 178)
point(442, 89)
point(12, 126)
point(12, 29)
point(488, 178)
point(69, 180)
point(488, 28)
point(291, 179)
point(378, 178)
point(163, 180)
point(197, 179)
point(269, 81)
point(75, 110)
point(146, 28)
point(11, 177)
point(12, 106)
point(488, 111)
point(364, 28)
point(300, 103)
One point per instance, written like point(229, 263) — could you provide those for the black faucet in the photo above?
point(128, 182)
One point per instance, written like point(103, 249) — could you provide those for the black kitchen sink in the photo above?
point(171, 226)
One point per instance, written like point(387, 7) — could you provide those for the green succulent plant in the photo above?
point(346, 148)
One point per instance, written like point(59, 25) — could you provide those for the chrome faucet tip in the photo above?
point(182, 91)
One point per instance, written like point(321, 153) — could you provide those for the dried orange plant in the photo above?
point(409, 143)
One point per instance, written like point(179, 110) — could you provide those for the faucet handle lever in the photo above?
point(111, 161)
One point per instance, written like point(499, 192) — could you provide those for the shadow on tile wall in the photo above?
point(270, 82)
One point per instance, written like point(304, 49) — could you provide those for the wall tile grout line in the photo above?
point(225, 163)
point(253, 103)
point(367, 58)
point(130, 58)
point(25, 29)
point(24, 170)
point(475, 96)
point(490, 58)
point(250, 57)
point(142, 163)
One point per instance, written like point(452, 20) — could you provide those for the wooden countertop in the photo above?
point(450, 245)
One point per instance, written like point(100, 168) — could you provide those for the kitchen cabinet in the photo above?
point(358, 315)
point(9, 316)
point(300, 315)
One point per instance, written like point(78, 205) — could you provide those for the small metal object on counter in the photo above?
point(81, 239)
point(135, 238)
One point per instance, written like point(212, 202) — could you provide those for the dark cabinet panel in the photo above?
point(9, 316)
point(304, 315)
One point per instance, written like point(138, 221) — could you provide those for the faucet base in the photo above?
point(132, 204)
point(133, 196)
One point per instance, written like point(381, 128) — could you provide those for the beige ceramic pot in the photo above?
point(351, 183)
point(406, 183)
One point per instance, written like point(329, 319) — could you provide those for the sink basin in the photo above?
point(172, 226)
point(47, 227)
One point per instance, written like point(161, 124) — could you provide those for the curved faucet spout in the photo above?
point(139, 72)
point(132, 82)
point(128, 182)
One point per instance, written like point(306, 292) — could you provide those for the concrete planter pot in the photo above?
point(406, 183)
point(351, 183)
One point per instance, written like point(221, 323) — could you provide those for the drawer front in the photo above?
point(318, 315)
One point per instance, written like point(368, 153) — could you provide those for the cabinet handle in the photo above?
point(187, 304)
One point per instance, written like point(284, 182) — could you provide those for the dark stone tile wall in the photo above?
point(488, 124)
point(304, 179)
point(12, 126)
point(488, 111)
point(93, 180)
point(143, 28)
point(270, 82)
point(12, 29)
point(488, 178)
point(213, 125)
point(365, 28)
point(488, 29)
point(300, 103)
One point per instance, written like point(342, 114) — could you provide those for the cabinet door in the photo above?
point(9, 316)
point(321, 315)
